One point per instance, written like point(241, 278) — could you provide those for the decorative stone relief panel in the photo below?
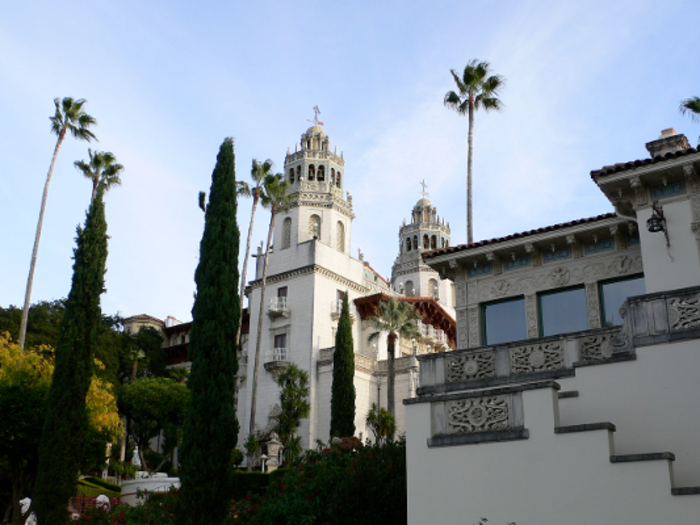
point(474, 336)
point(595, 347)
point(462, 341)
point(483, 414)
point(468, 367)
point(461, 294)
point(531, 316)
point(556, 277)
point(593, 303)
point(472, 293)
point(537, 358)
point(684, 313)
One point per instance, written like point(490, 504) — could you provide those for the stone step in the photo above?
point(625, 458)
point(606, 425)
point(685, 491)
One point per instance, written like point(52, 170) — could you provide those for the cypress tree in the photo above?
point(65, 428)
point(211, 428)
point(343, 389)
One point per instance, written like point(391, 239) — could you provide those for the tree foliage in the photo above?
point(154, 404)
point(294, 402)
point(691, 106)
point(65, 429)
point(42, 328)
point(343, 389)
point(211, 428)
point(381, 423)
point(25, 380)
point(102, 170)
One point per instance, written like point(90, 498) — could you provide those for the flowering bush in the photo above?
point(346, 483)
point(158, 509)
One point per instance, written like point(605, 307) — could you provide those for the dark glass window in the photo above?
point(504, 321)
point(614, 293)
point(563, 311)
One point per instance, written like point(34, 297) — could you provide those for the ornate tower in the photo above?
point(316, 178)
point(426, 231)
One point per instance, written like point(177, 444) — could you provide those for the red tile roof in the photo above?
point(622, 166)
point(461, 247)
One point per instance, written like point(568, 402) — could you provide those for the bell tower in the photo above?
point(316, 177)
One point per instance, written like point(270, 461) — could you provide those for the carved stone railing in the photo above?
point(538, 359)
point(401, 364)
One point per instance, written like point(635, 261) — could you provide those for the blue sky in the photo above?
point(588, 84)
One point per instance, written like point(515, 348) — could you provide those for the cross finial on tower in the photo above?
point(315, 121)
point(425, 193)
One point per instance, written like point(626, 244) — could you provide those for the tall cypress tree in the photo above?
point(65, 428)
point(211, 428)
point(343, 390)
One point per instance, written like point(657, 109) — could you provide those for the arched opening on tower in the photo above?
point(315, 227)
point(426, 242)
point(291, 175)
point(312, 172)
point(433, 242)
point(287, 233)
point(408, 244)
point(340, 233)
point(321, 175)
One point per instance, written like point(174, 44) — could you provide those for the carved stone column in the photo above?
point(474, 324)
point(462, 329)
point(533, 326)
point(593, 302)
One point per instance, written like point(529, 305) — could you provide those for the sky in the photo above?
point(588, 83)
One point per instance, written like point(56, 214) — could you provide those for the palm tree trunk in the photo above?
point(391, 373)
point(35, 251)
point(94, 189)
point(253, 395)
point(244, 273)
point(470, 144)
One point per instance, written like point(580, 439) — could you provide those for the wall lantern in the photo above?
point(657, 221)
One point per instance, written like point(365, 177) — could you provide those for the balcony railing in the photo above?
point(278, 307)
point(277, 360)
point(278, 354)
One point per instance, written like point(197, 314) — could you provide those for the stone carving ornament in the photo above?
point(559, 277)
point(537, 358)
point(684, 313)
point(595, 347)
point(462, 329)
point(474, 339)
point(593, 305)
point(531, 315)
point(468, 367)
point(483, 414)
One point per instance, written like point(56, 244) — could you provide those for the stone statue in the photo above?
point(25, 504)
point(136, 458)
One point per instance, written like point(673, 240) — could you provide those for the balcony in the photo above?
point(276, 361)
point(278, 308)
point(337, 308)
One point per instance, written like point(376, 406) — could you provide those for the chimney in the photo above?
point(668, 142)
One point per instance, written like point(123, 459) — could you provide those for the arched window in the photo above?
point(299, 173)
point(433, 289)
point(321, 174)
point(426, 242)
point(315, 227)
point(433, 242)
point(332, 175)
point(410, 291)
point(287, 233)
point(291, 176)
point(312, 172)
point(338, 179)
point(340, 233)
point(408, 244)
point(415, 242)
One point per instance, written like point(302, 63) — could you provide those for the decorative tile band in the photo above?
point(601, 246)
point(557, 255)
point(485, 269)
point(669, 190)
point(520, 261)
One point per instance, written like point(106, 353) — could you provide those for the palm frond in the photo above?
point(243, 189)
point(691, 105)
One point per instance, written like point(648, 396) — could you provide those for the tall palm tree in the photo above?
point(69, 117)
point(103, 170)
point(476, 90)
point(258, 173)
point(398, 319)
point(691, 105)
point(278, 199)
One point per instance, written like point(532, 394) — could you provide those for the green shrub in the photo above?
point(93, 490)
point(103, 483)
point(253, 483)
point(346, 484)
point(158, 509)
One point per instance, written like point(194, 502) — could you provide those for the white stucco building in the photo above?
point(573, 397)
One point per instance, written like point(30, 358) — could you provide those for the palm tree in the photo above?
point(398, 319)
point(258, 173)
point(69, 116)
point(476, 90)
point(691, 105)
point(102, 169)
point(277, 200)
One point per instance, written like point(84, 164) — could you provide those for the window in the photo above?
point(312, 172)
point(614, 293)
point(291, 175)
point(408, 244)
point(340, 233)
point(410, 292)
point(433, 290)
point(282, 291)
point(563, 311)
point(426, 242)
point(321, 174)
point(504, 321)
point(287, 233)
point(315, 227)
point(433, 242)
